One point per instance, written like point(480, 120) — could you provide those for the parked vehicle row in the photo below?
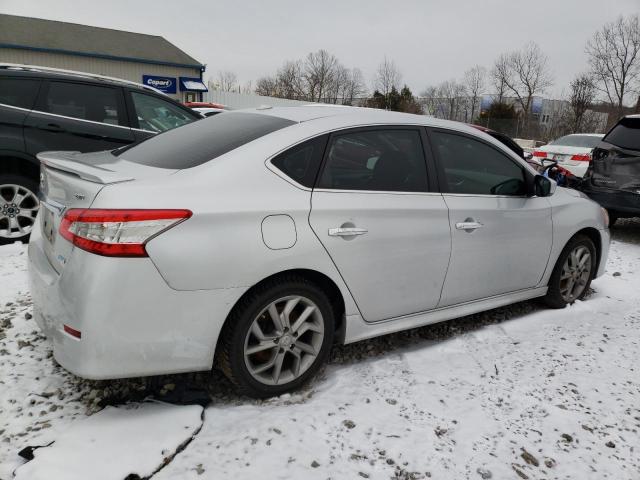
point(254, 240)
point(47, 109)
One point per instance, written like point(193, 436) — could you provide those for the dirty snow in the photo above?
point(518, 392)
point(116, 442)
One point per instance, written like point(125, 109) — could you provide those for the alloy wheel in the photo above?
point(576, 273)
point(18, 210)
point(284, 340)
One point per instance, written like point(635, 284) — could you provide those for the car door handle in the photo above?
point(53, 127)
point(468, 225)
point(347, 231)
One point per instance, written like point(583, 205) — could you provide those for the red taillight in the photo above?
point(582, 157)
point(72, 331)
point(117, 233)
point(538, 153)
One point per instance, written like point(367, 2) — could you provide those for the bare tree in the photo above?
point(319, 72)
point(289, 80)
point(614, 56)
point(499, 74)
point(474, 81)
point(430, 101)
point(583, 93)
point(355, 87)
point(453, 95)
point(524, 73)
point(227, 81)
point(387, 77)
point(267, 86)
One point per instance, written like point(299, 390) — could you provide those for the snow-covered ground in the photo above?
point(518, 392)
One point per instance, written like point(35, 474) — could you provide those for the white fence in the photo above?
point(236, 101)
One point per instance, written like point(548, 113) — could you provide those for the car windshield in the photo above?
point(198, 142)
point(626, 134)
point(585, 141)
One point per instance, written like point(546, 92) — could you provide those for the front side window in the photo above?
point(157, 115)
point(301, 163)
point(379, 160)
point(86, 102)
point(18, 92)
point(473, 167)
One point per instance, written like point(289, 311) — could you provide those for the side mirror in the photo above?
point(528, 155)
point(543, 186)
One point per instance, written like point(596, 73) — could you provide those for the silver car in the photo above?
point(254, 240)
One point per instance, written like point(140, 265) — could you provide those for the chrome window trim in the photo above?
point(374, 192)
point(270, 166)
point(481, 195)
point(67, 117)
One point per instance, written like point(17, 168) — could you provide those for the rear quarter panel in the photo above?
point(221, 246)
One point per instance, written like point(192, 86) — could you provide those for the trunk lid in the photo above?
point(562, 154)
point(74, 180)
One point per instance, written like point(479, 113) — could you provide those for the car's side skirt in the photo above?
point(357, 329)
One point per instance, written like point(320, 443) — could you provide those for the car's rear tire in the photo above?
point(572, 273)
point(18, 208)
point(277, 337)
point(613, 217)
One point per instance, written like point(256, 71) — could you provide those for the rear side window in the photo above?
point(301, 163)
point(86, 102)
point(18, 92)
point(583, 141)
point(378, 160)
point(156, 115)
point(626, 134)
point(201, 141)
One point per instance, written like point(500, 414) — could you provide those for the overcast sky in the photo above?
point(429, 40)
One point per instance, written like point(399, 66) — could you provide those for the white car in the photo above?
point(256, 239)
point(572, 152)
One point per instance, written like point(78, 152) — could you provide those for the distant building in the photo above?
point(137, 57)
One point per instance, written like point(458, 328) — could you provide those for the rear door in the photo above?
point(17, 97)
point(77, 116)
point(385, 229)
point(501, 238)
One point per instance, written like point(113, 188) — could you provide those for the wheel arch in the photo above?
point(593, 235)
point(19, 164)
point(322, 281)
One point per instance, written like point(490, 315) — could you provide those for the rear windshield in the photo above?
point(586, 141)
point(198, 142)
point(626, 134)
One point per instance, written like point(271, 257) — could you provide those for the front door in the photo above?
point(501, 238)
point(386, 233)
point(77, 116)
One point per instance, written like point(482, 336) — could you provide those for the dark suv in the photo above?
point(613, 176)
point(48, 109)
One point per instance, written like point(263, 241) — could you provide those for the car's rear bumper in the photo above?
point(615, 200)
point(131, 322)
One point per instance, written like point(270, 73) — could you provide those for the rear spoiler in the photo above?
point(67, 162)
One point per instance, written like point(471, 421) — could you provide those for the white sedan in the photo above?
point(254, 240)
point(572, 152)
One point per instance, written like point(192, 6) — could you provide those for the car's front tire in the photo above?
point(572, 273)
point(18, 208)
point(277, 337)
